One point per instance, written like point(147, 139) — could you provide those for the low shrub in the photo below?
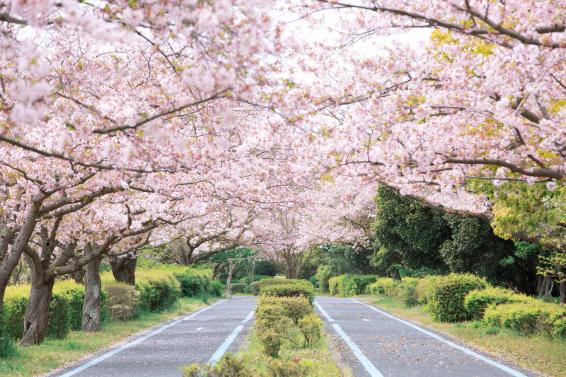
point(7, 344)
point(350, 284)
point(74, 295)
point(216, 288)
point(288, 368)
point(15, 303)
point(59, 316)
point(158, 290)
point(272, 326)
point(527, 318)
point(478, 300)
point(381, 285)
point(122, 302)
point(446, 296)
point(194, 283)
point(295, 289)
point(228, 366)
point(311, 328)
point(240, 288)
point(424, 288)
point(295, 307)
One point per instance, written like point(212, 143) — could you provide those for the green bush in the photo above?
point(311, 328)
point(295, 307)
point(59, 316)
point(323, 275)
point(228, 366)
point(216, 288)
point(478, 300)
point(193, 283)
point(15, 303)
point(158, 290)
point(122, 302)
point(74, 295)
point(381, 285)
point(272, 327)
point(7, 344)
point(296, 289)
point(240, 288)
point(446, 296)
point(424, 288)
point(350, 284)
point(288, 368)
point(527, 318)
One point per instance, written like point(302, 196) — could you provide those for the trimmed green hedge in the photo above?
point(300, 288)
point(350, 284)
point(446, 296)
point(478, 300)
point(527, 318)
point(158, 290)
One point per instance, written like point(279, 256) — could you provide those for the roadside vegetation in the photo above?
point(286, 340)
point(159, 293)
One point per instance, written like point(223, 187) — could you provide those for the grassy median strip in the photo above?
point(55, 353)
point(537, 352)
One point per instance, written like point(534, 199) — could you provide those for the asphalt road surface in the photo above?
point(203, 336)
point(374, 343)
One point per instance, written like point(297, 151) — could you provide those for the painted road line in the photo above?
point(226, 344)
point(125, 346)
point(467, 351)
point(323, 312)
point(367, 364)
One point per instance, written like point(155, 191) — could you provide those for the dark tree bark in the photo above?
point(36, 320)
point(78, 276)
point(124, 268)
point(231, 268)
point(92, 320)
point(562, 289)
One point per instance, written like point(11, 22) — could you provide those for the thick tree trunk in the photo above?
point(231, 268)
point(36, 320)
point(92, 320)
point(124, 269)
point(562, 289)
point(395, 275)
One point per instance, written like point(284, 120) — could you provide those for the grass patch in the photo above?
point(55, 353)
point(538, 353)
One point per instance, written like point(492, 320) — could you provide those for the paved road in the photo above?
point(163, 351)
point(377, 344)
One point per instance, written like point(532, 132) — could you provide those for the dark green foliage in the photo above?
point(7, 344)
point(74, 295)
point(408, 229)
point(240, 288)
point(410, 238)
point(216, 288)
point(15, 305)
point(59, 316)
point(474, 248)
point(447, 294)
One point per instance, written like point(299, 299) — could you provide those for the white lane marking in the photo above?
point(447, 342)
point(200, 328)
point(323, 312)
point(368, 365)
point(228, 341)
point(131, 344)
point(366, 320)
